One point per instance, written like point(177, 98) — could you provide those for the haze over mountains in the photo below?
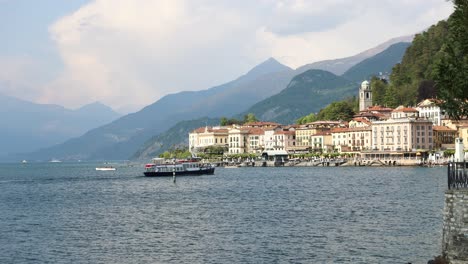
point(123, 137)
point(27, 126)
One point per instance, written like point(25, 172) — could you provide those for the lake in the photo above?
point(71, 213)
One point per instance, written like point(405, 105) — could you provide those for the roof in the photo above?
point(443, 128)
point(429, 102)
point(285, 132)
point(362, 120)
point(256, 131)
point(405, 109)
point(378, 108)
point(340, 130)
point(259, 124)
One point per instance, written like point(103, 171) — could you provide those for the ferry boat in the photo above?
point(162, 167)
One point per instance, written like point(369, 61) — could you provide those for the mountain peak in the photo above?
point(97, 107)
point(271, 65)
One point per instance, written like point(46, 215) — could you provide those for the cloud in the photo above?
point(126, 53)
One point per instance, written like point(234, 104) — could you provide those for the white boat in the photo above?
point(24, 161)
point(105, 169)
point(55, 161)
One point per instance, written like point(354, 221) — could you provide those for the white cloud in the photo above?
point(125, 52)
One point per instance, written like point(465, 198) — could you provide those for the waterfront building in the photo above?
point(404, 131)
point(321, 142)
point(203, 137)
point(365, 96)
point(352, 139)
point(430, 110)
point(284, 139)
point(256, 140)
point(304, 132)
point(444, 137)
point(238, 140)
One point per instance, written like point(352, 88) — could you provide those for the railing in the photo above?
point(457, 173)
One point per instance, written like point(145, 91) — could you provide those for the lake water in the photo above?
point(71, 213)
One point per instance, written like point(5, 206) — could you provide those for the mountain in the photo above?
point(340, 66)
point(306, 93)
point(123, 137)
point(175, 136)
point(382, 62)
point(27, 126)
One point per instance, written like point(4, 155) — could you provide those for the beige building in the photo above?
point(285, 140)
point(304, 132)
point(444, 137)
point(352, 139)
point(238, 140)
point(204, 137)
point(256, 140)
point(403, 132)
point(321, 142)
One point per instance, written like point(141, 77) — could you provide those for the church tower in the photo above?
point(365, 96)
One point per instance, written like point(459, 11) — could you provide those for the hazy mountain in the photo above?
point(123, 137)
point(306, 93)
point(174, 137)
point(339, 66)
point(27, 126)
point(381, 62)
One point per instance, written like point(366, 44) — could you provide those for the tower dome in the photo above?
point(365, 85)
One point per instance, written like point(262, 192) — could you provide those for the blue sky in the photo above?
point(24, 25)
point(129, 53)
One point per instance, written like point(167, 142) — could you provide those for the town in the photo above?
point(376, 135)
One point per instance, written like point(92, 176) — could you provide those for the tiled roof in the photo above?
point(259, 123)
point(256, 131)
point(405, 109)
point(443, 128)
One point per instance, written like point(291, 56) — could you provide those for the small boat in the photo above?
point(55, 161)
point(162, 167)
point(24, 161)
point(105, 169)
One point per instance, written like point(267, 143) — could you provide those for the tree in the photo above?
point(250, 117)
point(378, 87)
point(223, 121)
point(452, 68)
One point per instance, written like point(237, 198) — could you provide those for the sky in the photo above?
point(129, 53)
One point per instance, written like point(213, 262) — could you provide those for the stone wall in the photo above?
point(455, 229)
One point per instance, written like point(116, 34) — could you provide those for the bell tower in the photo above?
point(365, 96)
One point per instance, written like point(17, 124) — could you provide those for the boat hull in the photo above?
point(207, 171)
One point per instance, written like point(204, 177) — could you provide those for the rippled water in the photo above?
point(70, 213)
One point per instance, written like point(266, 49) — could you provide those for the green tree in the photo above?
point(451, 70)
point(378, 87)
point(223, 121)
point(250, 117)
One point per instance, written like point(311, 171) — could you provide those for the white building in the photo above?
point(430, 110)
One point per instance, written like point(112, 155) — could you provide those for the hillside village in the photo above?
point(412, 133)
